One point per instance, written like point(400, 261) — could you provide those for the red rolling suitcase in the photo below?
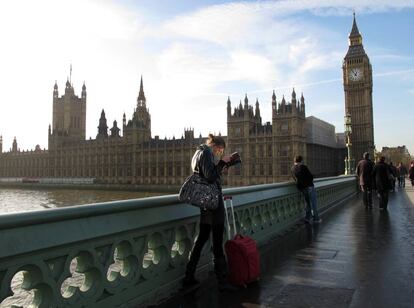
point(242, 255)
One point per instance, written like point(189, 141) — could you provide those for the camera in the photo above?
point(235, 158)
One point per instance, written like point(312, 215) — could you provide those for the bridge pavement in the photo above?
point(355, 258)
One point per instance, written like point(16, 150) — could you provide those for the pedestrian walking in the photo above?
point(382, 183)
point(411, 173)
point(364, 173)
point(393, 175)
point(211, 221)
point(304, 182)
point(402, 173)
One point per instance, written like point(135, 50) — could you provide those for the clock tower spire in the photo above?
point(357, 80)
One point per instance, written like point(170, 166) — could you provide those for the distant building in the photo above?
point(340, 140)
point(268, 149)
point(396, 154)
point(325, 154)
point(320, 132)
point(136, 158)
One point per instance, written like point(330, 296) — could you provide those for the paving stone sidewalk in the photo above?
point(355, 258)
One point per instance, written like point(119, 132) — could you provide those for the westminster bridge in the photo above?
point(133, 253)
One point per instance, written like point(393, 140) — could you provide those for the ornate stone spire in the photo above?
point(228, 106)
point(257, 111)
point(354, 31)
point(141, 96)
point(355, 41)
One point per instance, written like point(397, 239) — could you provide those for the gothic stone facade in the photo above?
point(137, 158)
point(267, 149)
point(133, 158)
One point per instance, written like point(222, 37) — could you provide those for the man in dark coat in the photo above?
point(364, 173)
point(402, 173)
point(393, 175)
point(304, 182)
point(382, 184)
point(411, 173)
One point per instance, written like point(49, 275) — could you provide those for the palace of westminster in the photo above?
point(267, 149)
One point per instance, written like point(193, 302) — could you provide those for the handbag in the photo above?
point(199, 192)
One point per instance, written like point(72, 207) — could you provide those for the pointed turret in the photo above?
point(228, 106)
point(84, 91)
point(68, 88)
point(302, 104)
point(257, 111)
point(115, 130)
point(141, 100)
point(55, 92)
point(14, 146)
point(355, 37)
point(103, 127)
point(283, 105)
point(246, 102)
point(274, 110)
point(293, 101)
point(354, 30)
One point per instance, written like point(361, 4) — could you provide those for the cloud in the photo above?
point(190, 62)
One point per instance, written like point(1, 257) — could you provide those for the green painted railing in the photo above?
point(131, 253)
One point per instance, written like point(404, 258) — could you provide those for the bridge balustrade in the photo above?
point(132, 252)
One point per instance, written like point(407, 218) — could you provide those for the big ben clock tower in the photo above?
point(357, 76)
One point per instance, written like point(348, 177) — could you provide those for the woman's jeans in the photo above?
point(219, 259)
point(311, 206)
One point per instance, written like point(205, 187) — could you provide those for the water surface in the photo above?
point(23, 200)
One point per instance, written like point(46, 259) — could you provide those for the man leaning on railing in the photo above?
point(304, 182)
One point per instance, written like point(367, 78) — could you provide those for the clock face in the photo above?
point(355, 74)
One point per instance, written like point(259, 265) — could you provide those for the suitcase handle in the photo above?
point(225, 198)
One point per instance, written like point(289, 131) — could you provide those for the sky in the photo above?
point(193, 55)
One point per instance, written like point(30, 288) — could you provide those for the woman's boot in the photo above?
point(189, 279)
point(220, 269)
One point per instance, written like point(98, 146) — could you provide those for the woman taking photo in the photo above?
point(211, 221)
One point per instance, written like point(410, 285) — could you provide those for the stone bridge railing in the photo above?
point(130, 253)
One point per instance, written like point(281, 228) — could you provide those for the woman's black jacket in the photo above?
point(203, 163)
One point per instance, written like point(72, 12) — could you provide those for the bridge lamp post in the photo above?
point(349, 161)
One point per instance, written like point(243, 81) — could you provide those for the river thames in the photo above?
point(23, 200)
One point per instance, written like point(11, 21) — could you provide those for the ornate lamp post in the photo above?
point(349, 161)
